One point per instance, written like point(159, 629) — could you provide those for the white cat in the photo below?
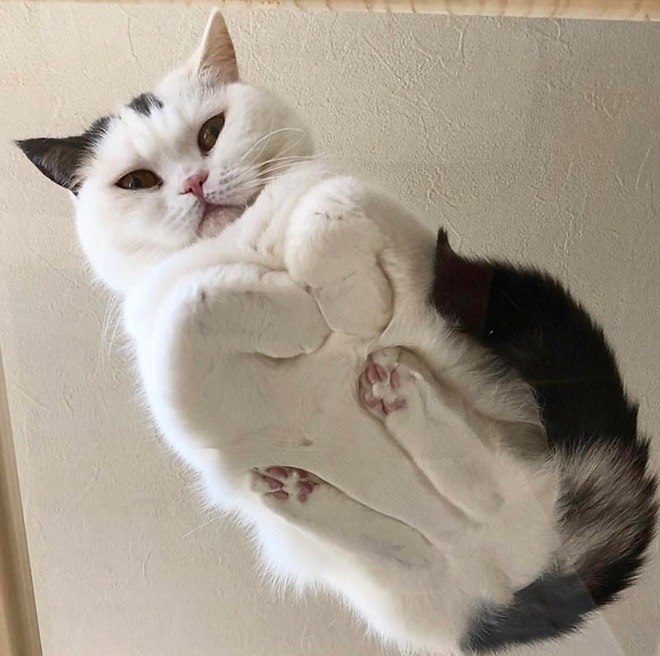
point(288, 351)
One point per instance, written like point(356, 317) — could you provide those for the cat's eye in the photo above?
point(210, 132)
point(140, 179)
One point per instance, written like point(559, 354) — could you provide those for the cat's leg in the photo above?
point(316, 507)
point(206, 366)
point(405, 587)
point(246, 308)
point(212, 345)
point(430, 423)
point(355, 454)
point(333, 247)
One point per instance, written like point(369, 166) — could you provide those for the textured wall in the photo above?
point(533, 140)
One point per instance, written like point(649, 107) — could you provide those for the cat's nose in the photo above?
point(194, 184)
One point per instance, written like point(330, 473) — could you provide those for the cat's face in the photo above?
point(172, 166)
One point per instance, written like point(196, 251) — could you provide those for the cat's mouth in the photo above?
point(216, 218)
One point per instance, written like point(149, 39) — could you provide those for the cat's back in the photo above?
point(606, 513)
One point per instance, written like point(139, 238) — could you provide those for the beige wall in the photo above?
point(537, 141)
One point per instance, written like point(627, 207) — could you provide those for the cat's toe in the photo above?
point(304, 490)
point(277, 472)
point(387, 358)
point(374, 373)
point(391, 406)
point(270, 481)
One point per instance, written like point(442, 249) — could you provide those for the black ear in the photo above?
point(57, 159)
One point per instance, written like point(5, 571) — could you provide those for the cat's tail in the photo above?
point(607, 512)
point(607, 518)
point(607, 507)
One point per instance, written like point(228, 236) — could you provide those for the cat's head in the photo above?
point(173, 166)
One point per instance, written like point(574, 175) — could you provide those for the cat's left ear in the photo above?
point(58, 159)
point(216, 58)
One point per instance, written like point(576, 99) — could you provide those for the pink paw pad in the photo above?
point(282, 483)
point(378, 388)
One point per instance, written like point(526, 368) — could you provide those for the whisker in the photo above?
point(267, 136)
point(262, 182)
point(279, 165)
point(290, 158)
point(114, 336)
point(111, 320)
point(292, 145)
point(274, 169)
point(201, 526)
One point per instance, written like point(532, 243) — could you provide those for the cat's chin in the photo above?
point(216, 219)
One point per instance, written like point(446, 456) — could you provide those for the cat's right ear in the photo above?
point(215, 57)
point(58, 159)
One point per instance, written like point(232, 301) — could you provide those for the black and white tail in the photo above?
point(607, 505)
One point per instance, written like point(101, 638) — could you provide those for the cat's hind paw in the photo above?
point(283, 484)
point(384, 382)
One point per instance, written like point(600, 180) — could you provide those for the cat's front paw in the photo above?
point(384, 382)
point(281, 484)
point(329, 236)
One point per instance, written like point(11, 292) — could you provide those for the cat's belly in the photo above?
point(246, 411)
point(237, 401)
point(291, 397)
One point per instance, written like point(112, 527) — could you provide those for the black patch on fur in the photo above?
point(97, 130)
point(60, 159)
point(550, 606)
point(145, 103)
point(534, 326)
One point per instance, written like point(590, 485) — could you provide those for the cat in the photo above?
point(310, 350)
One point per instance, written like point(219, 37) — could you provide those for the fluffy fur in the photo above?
point(254, 312)
point(607, 509)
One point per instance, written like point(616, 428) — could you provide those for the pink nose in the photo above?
point(194, 184)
